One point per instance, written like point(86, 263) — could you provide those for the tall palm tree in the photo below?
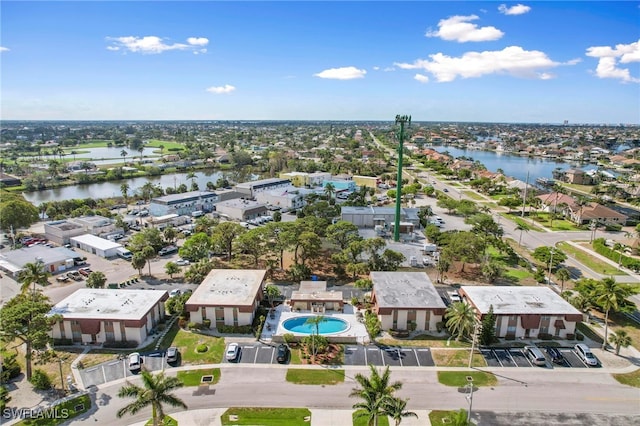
point(522, 227)
point(461, 319)
point(396, 408)
point(611, 295)
point(329, 190)
point(154, 392)
point(374, 390)
point(563, 275)
point(620, 340)
point(315, 322)
point(123, 154)
point(33, 273)
point(141, 150)
point(124, 188)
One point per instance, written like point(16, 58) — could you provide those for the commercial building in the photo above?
point(406, 301)
point(524, 312)
point(54, 259)
point(340, 185)
point(241, 210)
point(109, 315)
point(250, 189)
point(227, 297)
point(370, 216)
point(306, 180)
point(183, 204)
point(95, 245)
point(287, 199)
point(60, 231)
point(368, 181)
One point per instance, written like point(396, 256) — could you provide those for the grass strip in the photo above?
point(301, 376)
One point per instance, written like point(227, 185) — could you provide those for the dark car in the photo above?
point(555, 355)
point(282, 353)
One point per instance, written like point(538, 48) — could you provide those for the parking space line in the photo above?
point(417, 359)
point(255, 357)
point(511, 358)
point(114, 363)
point(366, 361)
point(497, 357)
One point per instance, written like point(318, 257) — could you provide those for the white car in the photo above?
point(174, 293)
point(182, 262)
point(135, 361)
point(233, 350)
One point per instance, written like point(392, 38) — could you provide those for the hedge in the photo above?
point(628, 262)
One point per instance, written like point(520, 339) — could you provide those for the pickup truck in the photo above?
point(85, 271)
point(74, 275)
point(167, 250)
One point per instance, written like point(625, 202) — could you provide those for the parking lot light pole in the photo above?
point(552, 251)
point(476, 326)
point(470, 397)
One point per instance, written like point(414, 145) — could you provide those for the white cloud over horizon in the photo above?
point(344, 73)
point(519, 9)
point(458, 28)
point(4, 49)
point(220, 90)
point(512, 60)
point(155, 44)
point(609, 58)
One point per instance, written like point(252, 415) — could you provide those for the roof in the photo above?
point(405, 290)
point(97, 242)
point(228, 287)
point(183, 197)
point(64, 225)
point(262, 182)
point(315, 290)
point(518, 300)
point(240, 204)
point(119, 304)
point(48, 255)
point(598, 211)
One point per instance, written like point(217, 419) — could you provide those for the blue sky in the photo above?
point(437, 61)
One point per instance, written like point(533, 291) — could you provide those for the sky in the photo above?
point(473, 61)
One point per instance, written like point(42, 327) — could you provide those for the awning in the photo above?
point(559, 324)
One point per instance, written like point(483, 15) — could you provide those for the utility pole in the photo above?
point(402, 119)
point(524, 197)
point(470, 397)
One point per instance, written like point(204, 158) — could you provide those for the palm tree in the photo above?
point(329, 190)
point(620, 340)
point(459, 418)
point(611, 295)
point(374, 390)
point(123, 154)
point(461, 319)
point(522, 227)
point(191, 175)
point(33, 273)
point(141, 150)
point(315, 322)
point(154, 392)
point(396, 409)
point(124, 188)
point(563, 275)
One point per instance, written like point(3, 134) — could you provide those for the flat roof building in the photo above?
point(313, 296)
point(227, 297)
point(56, 259)
point(96, 245)
point(524, 312)
point(241, 210)
point(251, 188)
point(109, 315)
point(183, 204)
point(406, 300)
point(61, 231)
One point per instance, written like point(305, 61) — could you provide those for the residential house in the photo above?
point(313, 296)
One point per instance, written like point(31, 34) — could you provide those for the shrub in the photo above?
point(129, 344)
point(545, 336)
point(10, 368)
point(202, 348)
point(234, 329)
point(289, 338)
point(372, 324)
point(62, 342)
point(579, 337)
point(40, 380)
point(206, 323)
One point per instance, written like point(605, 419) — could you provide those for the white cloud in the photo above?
point(458, 28)
point(344, 73)
point(609, 58)
point(421, 78)
point(227, 88)
point(546, 76)
point(376, 68)
point(4, 49)
point(154, 44)
point(519, 9)
point(512, 60)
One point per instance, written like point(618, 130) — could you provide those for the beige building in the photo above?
point(61, 231)
point(406, 301)
point(313, 296)
point(524, 312)
point(227, 297)
point(109, 315)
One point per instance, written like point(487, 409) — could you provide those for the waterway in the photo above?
point(112, 188)
point(514, 165)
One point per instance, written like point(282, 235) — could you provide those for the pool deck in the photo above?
point(356, 333)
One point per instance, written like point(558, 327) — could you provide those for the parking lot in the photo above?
point(515, 357)
point(118, 369)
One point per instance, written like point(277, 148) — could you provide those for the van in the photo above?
point(123, 253)
point(535, 355)
point(197, 213)
point(586, 355)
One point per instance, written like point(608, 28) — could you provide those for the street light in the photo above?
point(476, 326)
point(552, 251)
point(470, 396)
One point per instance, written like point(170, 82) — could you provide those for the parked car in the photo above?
point(172, 354)
point(182, 262)
point(167, 250)
point(282, 353)
point(555, 355)
point(586, 355)
point(174, 293)
point(187, 291)
point(74, 275)
point(135, 361)
point(233, 351)
point(62, 278)
point(85, 271)
point(454, 296)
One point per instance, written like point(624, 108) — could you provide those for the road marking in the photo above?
point(114, 363)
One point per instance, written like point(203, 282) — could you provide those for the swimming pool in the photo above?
point(329, 325)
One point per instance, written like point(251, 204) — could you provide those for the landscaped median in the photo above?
point(303, 376)
point(207, 376)
point(266, 416)
point(57, 414)
point(456, 358)
point(460, 378)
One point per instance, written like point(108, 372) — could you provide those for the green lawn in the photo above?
point(588, 332)
point(629, 379)
point(187, 341)
point(459, 378)
point(315, 377)
point(441, 417)
point(558, 224)
point(517, 274)
point(194, 377)
point(518, 220)
point(362, 421)
point(589, 261)
point(266, 416)
point(473, 195)
point(155, 143)
point(167, 421)
point(456, 358)
point(62, 413)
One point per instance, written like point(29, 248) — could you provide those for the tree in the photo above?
point(198, 271)
point(172, 268)
point(124, 188)
point(148, 253)
point(196, 247)
point(549, 256)
point(563, 275)
point(611, 295)
point(147, 237)
point(155, 392)
point(329, 190)
point(138, 261)
point(522, 227)
point(461, 319)
point(309, 246)
point(124, 154)
point(374, 391)
point(342, 233)
point(272, 292)
point(253, 242)
point(315, 321)
point(396, 408)
point(33, 273)
point(16, 212)
point(459, 418)
point(225, 234)
point(96, 279)
point(620, 340)
point(492, 270)
point(26, 318)
point(170, 234)
point(488, 328)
